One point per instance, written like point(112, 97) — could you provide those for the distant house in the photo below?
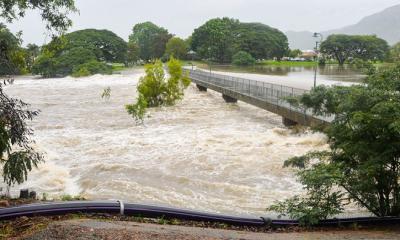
point(309, 54)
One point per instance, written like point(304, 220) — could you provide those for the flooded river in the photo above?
point(201, 154)
point(298, 77)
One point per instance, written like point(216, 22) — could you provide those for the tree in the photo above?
point(215, 39)
point(64, 54)
point(54, 12)
point(91, 67)
point(12, 60)
point(295, 53)
point(219, 39)
point(176, 47)
point(62, 65)
point(243, 58)
point(262, 41)
point(395, 53)
point(17, 156)
point(32, 52)
point(106, 45)
point(155, 90)
point(151, 40)
point(363, 163)
point(133, 54)
point(344, 47)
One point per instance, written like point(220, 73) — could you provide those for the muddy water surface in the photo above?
point(201, 154)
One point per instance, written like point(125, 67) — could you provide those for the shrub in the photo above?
point(48, 65)
point(243, 58)
point(155, 90)
point(362, 165)
point(90, 68)
point(82, 72)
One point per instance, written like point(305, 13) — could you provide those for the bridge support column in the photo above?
point(229, 99)
point(201, 88)
point(288, 122)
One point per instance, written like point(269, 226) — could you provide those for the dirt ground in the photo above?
point(88, 229)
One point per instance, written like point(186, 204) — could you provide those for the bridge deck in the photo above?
point(270, 97)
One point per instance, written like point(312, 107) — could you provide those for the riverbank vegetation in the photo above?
point(81, 53)
point(221, 38)
point(155, 90)
point(362, 166)
point(346, 47)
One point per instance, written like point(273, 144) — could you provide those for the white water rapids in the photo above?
point(201, 154)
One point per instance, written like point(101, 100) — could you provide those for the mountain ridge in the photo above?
point(384, 24)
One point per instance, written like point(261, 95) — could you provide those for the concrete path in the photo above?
point(95, 229)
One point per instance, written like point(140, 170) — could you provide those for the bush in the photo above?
point(362, 165)
point(90, 68)
point(155, 90)
point(82, 72)
point(48, 65)
point(243, 58)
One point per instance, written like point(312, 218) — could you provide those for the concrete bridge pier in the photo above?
point(229, 99)
point(288, 122)
point(201, 88)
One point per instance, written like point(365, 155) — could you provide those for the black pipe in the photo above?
point(149, 211)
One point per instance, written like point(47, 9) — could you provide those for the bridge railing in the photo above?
point(272, 93)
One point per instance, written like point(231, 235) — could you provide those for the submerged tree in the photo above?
point(363, 163)
point(156, 90)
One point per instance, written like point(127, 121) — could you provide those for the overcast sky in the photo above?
point(180, 17)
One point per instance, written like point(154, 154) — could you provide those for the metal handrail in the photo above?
point(268, 92)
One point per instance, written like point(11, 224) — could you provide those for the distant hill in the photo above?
point(385, 24)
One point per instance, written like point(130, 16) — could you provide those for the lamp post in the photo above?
point(317, 43)
point(192, 53)
point(209, 58)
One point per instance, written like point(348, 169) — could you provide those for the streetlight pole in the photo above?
point(192, 53)
point(316, 35)
point(209, 58)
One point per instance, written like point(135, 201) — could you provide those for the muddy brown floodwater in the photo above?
point(201, 154)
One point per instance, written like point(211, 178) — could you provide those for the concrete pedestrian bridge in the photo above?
point(270, 97)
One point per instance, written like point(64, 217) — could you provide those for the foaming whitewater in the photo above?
point(201, 154)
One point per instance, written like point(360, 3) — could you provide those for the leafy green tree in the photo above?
point(176, 47)
point(12, 60)
point(54, 12)
point(395, 53)
point(106, 45)
point(295, 53)
point(363, 164)
point(216, 39)
point(344, 47)
point(219, 39)
point(243, 58)
point(155, 90)
point(262, 41)
point(151, 40)
point(133, 54)
point(32, 51)
point(17, 157)
point(64, 54)
point(91, 67)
